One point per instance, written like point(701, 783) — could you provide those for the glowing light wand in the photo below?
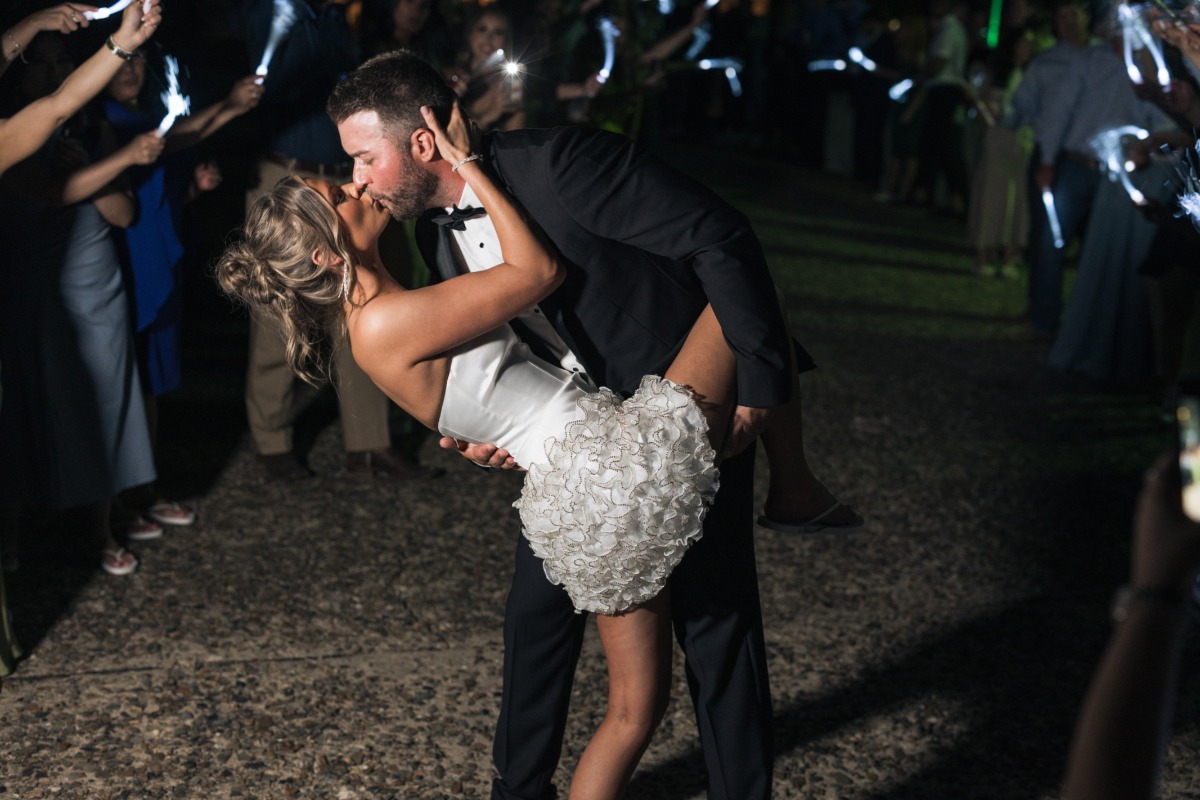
point(1189, 200)
point(281, 23)
point(827, 64)
point(701, 36)
point(177, 104)
point(610, 32)
point(900, 89)
point(732, 67)
point(860, 58)
point(1109, 149)
point(105, 13)
point(1052, 215)
point(1136, 36)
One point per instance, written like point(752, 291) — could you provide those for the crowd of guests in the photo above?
point(1004, 134)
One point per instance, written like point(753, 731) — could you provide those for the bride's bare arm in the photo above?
point(426, 322)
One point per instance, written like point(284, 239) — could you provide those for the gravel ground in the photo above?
point(328, 639)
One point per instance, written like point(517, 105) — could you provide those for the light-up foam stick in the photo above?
point(1052, 215)
point(900, 89)
point(826, 65)
point(105, 13)
point(1136, 36)
point(701, 36)
point(860, 58)
point(610, 33)
point(281, 23)
point(732, 68)
point(177, 104)
point(665, 7)
point(1109, 149)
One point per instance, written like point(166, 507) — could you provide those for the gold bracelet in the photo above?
point(16, 48)
point(116, 49)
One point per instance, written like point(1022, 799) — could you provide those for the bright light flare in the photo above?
point(105, 13)
point(900, 89)
point(860, 58)
point(1109, 147)
point(177, 103)
point(827, 65)
point(281, 22)
point(701, 36)
point(1136, 36)
point(610, 33)
point(1052, 216)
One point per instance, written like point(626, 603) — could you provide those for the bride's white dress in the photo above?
point(616, 491)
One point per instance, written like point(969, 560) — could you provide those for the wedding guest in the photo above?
point(152, 250)
point(318, 50)
point(29, 128)
point(492, 95)
point(20, 136)
point(72, 427)
point(1124, 724)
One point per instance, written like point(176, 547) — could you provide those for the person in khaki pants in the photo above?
point(300, 139)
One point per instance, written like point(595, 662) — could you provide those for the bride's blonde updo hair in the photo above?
point(272, 270)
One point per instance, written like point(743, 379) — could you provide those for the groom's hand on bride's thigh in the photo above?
point(488, 456)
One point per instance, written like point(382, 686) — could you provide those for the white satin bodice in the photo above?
point(498, 392)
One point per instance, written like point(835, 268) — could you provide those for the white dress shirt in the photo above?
point(478, 248)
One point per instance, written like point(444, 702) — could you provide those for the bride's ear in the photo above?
point(323, 258)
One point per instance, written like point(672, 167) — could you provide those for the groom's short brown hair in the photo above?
point(394, 85)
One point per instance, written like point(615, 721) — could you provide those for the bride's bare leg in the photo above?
point(637, 646)
point(637, 643)
point(705, 364)
point(795, 495)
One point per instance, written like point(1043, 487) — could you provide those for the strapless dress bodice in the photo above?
point(499, 393)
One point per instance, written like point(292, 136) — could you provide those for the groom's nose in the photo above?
point(359, 176)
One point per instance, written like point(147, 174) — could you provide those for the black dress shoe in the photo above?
point(285, 467)
point(388, 464)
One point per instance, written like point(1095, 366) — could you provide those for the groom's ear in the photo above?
point(423, 145)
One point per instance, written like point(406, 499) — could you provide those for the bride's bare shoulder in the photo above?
point(384, 324)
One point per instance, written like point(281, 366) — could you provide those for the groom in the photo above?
point(645, 249)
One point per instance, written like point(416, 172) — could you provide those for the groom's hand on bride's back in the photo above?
point(488, 456)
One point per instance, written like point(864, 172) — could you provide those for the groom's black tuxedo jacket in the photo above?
point(645, 249)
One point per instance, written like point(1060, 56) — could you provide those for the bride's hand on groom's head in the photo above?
point(454, 140)
point(488, 456)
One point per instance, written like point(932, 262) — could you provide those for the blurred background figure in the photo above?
point(299, 139)
point(998, 212)
point(484, 74)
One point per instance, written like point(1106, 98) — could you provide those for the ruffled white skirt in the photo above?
point(622, 496)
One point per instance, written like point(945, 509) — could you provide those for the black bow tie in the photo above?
point(457, 218)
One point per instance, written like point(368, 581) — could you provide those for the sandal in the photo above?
point(168, 512)
point(139, 529)
point(118, 562)
point(814, 525)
